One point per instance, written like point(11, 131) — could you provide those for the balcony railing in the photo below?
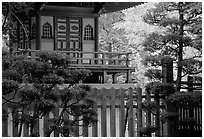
point(90, 59)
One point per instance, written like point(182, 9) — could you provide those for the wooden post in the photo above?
point(104, 76)
point(85, 131)
point(148, 116)
point(4, 128)
point(122, 113)
point(114, 78)
point(139, 112)
point(96, 38)
point(129, 79)
point(112, 113)
point(167, 72)
point(103, 59)
point(97, 34)
point(45, 125)
point(190, 107)
point(95, 125)
point(103, 114)
point(116, 61)
point(80, 58)
point(76, 128)
point(128, 61)
point(5, 121)
point(190, 84)
point(130, 114)
point(56, 114)
point(67, 117)
point(25, 127)
point(157, 122)
point(36, 127)
point(15, 128)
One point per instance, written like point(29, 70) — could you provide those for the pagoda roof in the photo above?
point(99, 7)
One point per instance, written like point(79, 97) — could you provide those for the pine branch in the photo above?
point(24, 29)
point(78, 100)
point(69, 112)
point(9, 100)
point(192, 73)
point(192, 58)
point(174, 49)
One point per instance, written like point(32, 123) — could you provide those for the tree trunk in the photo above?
point(180, 54)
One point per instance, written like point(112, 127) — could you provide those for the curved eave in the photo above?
point(110, 7)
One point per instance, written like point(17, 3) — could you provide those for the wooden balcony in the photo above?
point(100, 64)
point(110, 60)
point(100, 60)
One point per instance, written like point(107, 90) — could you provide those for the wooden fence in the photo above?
point(193, 127)
point(120, 114)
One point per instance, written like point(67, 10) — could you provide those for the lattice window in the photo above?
point(88, 32)
point(47, 31)
point(33, 30)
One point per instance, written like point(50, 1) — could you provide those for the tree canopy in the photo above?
point(177, 37)
point(158, 30)
point(34, 86)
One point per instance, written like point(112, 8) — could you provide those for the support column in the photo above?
point(104, 76)
point(129, 79)
point(38, 31)
point(96, 33)
point(114, 78)
point(18, 35)
point(190, 84)
point(96, 37)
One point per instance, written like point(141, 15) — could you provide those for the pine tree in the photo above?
point(33, 85)
point(180, 23)
point(178, 40)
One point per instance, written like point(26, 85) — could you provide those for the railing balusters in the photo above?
point(106, 59)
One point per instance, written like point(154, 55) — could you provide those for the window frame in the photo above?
point(47, 31)
point(88, 32)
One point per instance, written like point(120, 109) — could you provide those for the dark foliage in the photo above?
point(38, 85)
